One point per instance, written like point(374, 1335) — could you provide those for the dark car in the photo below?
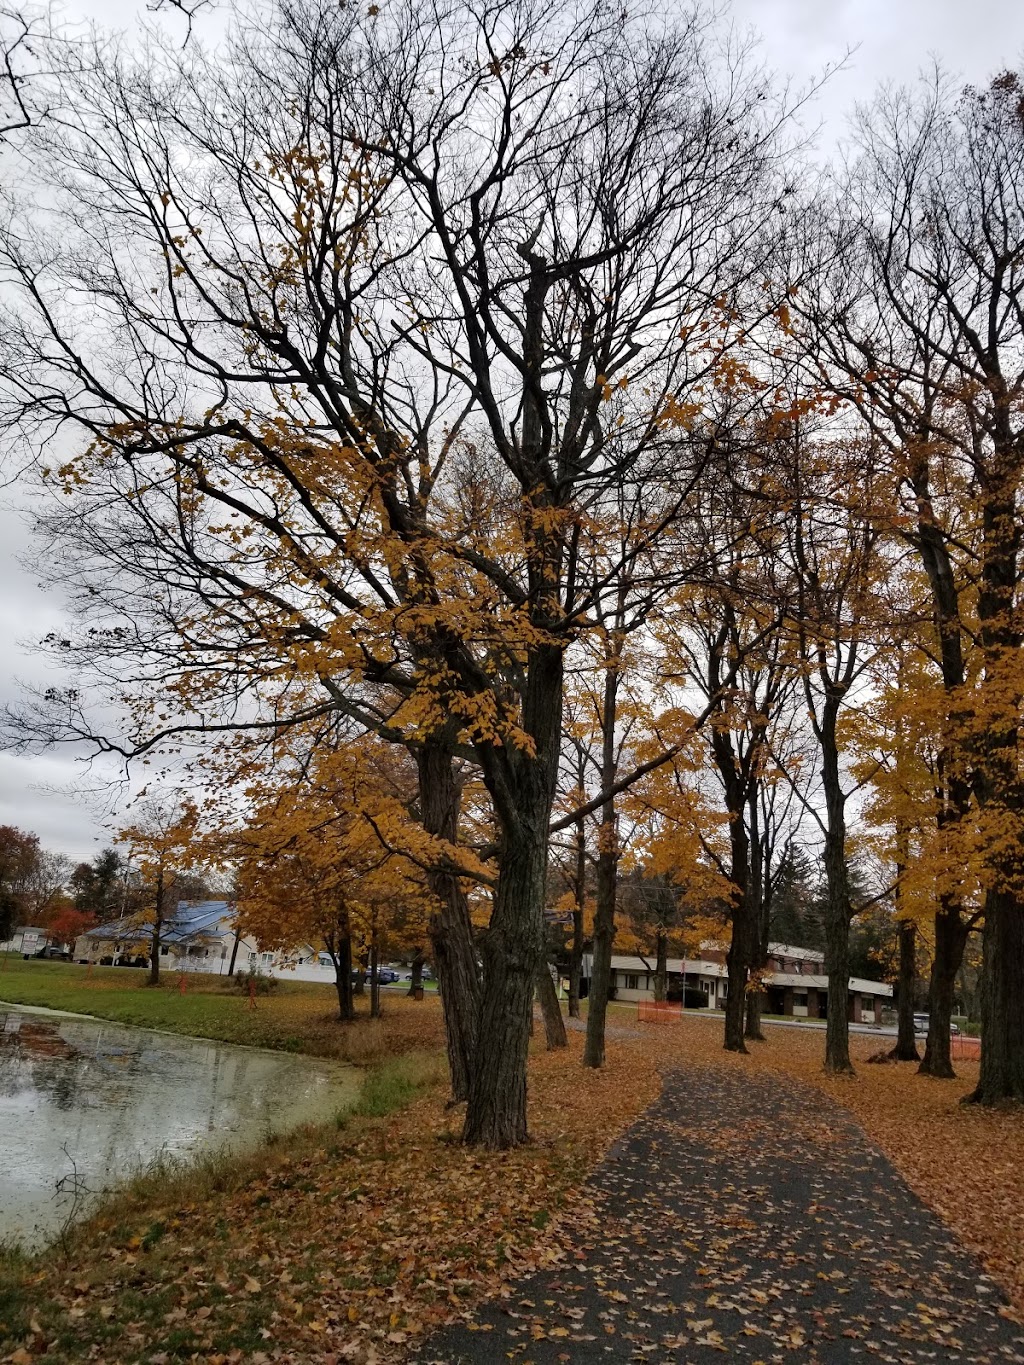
point(50, 950)
point(387, 976)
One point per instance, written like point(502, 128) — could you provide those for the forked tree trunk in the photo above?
point(554, 1024)
point(1002, 1001)
point(906, 1039)
point(511, 949)
point(950, 942)
point(450, 928)
point(522, 788)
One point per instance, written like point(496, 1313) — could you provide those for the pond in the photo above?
point(89, 1102)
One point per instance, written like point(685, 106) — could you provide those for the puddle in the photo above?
point(85, 1100)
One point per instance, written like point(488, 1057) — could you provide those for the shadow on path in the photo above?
point(747, 1217)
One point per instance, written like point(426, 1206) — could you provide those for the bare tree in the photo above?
point(918, 324)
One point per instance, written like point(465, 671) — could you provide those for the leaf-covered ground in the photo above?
point(745, 1216)
point(362, 1243)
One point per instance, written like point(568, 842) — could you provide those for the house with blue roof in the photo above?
point(198, 936)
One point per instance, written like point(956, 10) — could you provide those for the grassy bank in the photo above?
point(348, 1242)
point(297, 1017)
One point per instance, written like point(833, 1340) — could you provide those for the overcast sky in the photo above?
point(893, 40)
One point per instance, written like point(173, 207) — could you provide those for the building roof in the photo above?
point(189, 921)
point(798, 954)
point(801, 980)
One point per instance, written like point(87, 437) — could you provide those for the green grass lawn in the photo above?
point(298, 1016)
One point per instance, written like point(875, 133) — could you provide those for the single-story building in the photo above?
point(795, 983)
point(26, 939)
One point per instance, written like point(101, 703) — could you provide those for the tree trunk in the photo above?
point(580, 899)
point(359, 985)
point(758, 916)
point(741, 948)
point(661, 967)
point(158, 924)
point(416, 979)
point(340, 949)
point(522, 788)
point(607, 876)
point(906, 1040)
point(1002, 1001)
point(997, 781)
point(234, 952)
point(950, 942)
point(450, 927)
point(374, 978)
point(511, 948)
point(837, 959)
point(554, 1024)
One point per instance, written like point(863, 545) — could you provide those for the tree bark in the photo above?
point(374, 979)
point(511, 948)
point(416, 979)
point(1002, 1001)
point(837, 900)
point(607, 876)
point(339, 944)
point(579, 905)
point(234, 952)
point(158, 923)
point(950, 941)
point(906, 1039)
point(758, 916)
point(450, 927)
point(661, 967)
point(522, 788)
point(554, 1024)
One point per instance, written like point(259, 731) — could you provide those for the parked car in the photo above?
point(51, 950)
point(921, 1026)
point(386, 976)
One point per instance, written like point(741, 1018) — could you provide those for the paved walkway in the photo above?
point(745, 1217)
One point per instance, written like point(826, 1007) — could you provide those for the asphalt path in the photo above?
point(745, 1217)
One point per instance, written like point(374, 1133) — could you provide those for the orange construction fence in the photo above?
point(962, 1049)
point(658, 1011)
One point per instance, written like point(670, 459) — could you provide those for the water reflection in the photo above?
point(110, 1098)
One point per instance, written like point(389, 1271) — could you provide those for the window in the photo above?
point(266, 959)
point(799, 997)
point(724, 985)
point(253, 959)
point(632, 981)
